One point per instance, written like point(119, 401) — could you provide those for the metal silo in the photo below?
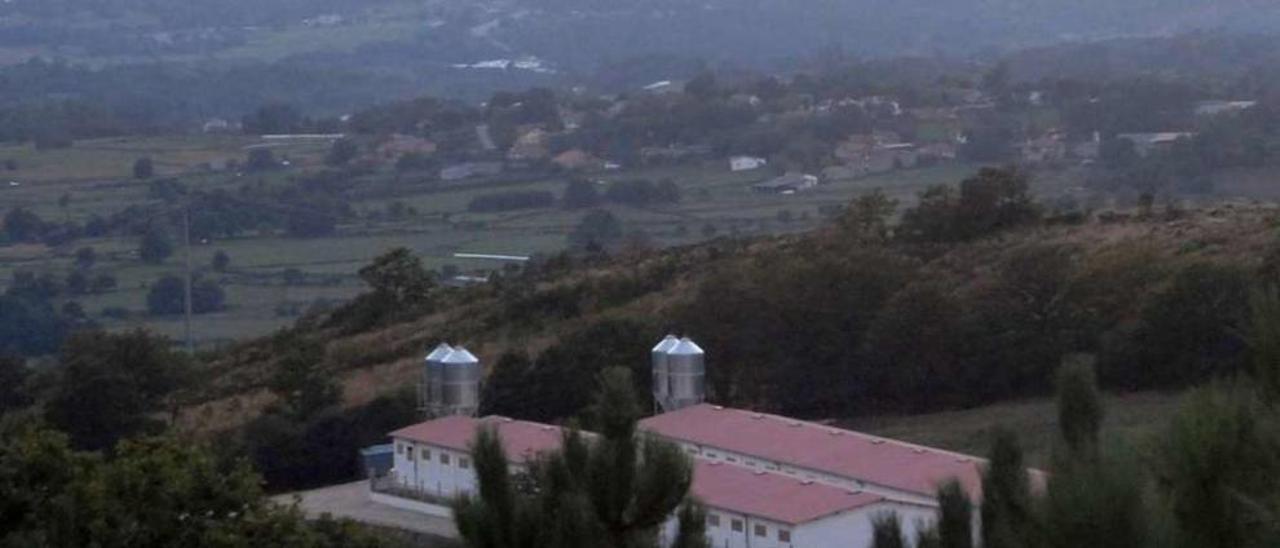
point(687, 373)
point(430, 391)
point(661, 382)
point(461, 386)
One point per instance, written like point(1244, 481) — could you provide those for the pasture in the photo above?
point(273, 278)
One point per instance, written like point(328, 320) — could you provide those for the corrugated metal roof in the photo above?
point(884, 462)
point(772, 496)
point(522, 440)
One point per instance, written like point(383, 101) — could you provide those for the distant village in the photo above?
point(794, 140)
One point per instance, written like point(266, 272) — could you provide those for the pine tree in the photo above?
point(1264, 343)
point(613, 490)
point(886, 531)
point(1006, 495)
point(1080, 411)
point(955, 516)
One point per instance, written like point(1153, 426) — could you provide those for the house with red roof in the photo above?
point(767, 481)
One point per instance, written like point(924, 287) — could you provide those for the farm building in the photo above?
point(767, 481)
point(787, 184)
point(746, 163)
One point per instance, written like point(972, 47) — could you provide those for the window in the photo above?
point(426, 454)
point(713, 520)
point(444, 458)
point(712, 454)
point(736, 525)
point(400, 448)
point(463, 463)
point(730, 459)
point(408, 453)
point(761, 531)
point(784, 536)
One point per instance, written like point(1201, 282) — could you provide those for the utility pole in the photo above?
point(186, 244)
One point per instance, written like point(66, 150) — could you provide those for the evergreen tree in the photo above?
point(955, 516)
point(886, 531)
point(1006, 495)
point(1080, 411)
point(1264, 343)
point(613, 490)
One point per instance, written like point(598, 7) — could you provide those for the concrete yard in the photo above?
point(351, 501)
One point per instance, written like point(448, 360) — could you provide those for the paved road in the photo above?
point(351, 500)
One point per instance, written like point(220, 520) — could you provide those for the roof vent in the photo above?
point(794, 423)
point(718, 407)
point(759, 472)
point(546, 428)
point(918, 451)
point(757, 416)
point(806, 482)
point(877, 442)
point(833, 432)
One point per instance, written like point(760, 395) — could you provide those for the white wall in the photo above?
point(432, 469)
point(854, 529)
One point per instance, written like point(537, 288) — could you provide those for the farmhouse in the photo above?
point(746, 163)
point(790, 183)
point(767, 481)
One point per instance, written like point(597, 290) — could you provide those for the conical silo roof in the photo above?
point(686, 347)
point(667, 344)
point(440, 352)
point(460, 355)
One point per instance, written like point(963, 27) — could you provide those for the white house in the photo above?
point(746, 163)
point(756, 509)
point(746, 507)
point(432, 459)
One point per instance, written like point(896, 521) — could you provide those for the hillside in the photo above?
point(1125, 266)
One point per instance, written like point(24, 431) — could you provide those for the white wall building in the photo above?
point(746, 163)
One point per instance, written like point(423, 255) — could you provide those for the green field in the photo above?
point(95, 177)
point(1132, 419)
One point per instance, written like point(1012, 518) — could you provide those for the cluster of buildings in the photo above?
point(767, 481)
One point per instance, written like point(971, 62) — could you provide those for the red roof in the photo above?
point(520, 439)
point(772, 496)
point(880, 461)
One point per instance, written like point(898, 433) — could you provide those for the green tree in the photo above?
point(612, 491)
point(14, 392)
point(1080, 411)
point(886, 531)
point(867, 217)
point(22, 225)
point(143, 168)
point(112, 385)
point(220, 261)
point(151, 493)
point(955, 516)
point(302, 381)
point(86, 257)
point(597, 228)
point(342, 152)
point(1219, 469)
point(398, 278)
point(155, 247)
point(1264, 343)
point(1007, 520)
point(261, 159)
point(167, 296)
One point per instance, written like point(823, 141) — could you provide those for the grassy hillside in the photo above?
point(1131, 417)
point(654, 286)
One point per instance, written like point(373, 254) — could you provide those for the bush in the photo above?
point(168, 297)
